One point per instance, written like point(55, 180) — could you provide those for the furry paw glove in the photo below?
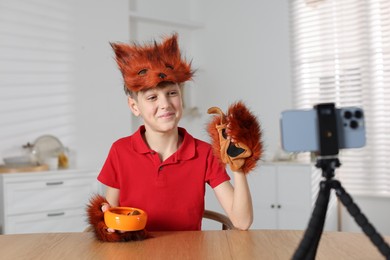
point(96, 220)
point(242, 126)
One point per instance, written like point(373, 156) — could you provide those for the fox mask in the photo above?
point(146, 66)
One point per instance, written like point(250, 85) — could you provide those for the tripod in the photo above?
point(308, 247)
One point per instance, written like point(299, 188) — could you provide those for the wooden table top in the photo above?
point(232, 244)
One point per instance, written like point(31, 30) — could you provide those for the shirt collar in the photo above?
point(185, 152)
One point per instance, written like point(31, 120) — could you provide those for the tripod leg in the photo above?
point(308, 247)
point(361, 219)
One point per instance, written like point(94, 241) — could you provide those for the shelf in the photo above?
point(180, 23)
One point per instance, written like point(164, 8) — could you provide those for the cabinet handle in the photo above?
point(56, 214)
point(54, 183)
point(279, 206)
point(272, 206)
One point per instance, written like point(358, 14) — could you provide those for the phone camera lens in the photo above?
point(358, 114)
point(354, 124)
point(347, 114)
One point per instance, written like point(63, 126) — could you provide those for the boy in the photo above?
point(161, 168)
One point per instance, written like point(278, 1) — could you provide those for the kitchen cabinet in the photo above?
point(284, 194)
point(50, 201)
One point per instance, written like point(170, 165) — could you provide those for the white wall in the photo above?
point(102, 115)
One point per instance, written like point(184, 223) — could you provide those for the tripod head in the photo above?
point(328, 166)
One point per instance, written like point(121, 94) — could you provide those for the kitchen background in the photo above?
point(58, 75)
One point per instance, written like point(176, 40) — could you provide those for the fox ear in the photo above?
point(170, 46)
point(123, 52)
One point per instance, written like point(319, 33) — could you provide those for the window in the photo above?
point(341, 54)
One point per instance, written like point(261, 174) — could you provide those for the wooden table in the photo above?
point(254, 244)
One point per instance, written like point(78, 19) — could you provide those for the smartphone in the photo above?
point(300, 133)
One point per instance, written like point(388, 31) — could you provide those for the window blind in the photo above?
point(341, 54)
point(36, 64)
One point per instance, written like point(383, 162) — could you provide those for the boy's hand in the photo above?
point(104, 208)
point(236, 137)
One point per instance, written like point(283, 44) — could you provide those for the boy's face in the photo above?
point(161, 108)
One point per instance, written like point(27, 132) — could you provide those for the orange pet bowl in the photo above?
point(125, 218)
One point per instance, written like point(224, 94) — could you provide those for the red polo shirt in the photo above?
point(171, 192)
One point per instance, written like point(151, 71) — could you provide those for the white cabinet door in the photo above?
point(262, 184)
point(282, 195)
point(294, 196)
